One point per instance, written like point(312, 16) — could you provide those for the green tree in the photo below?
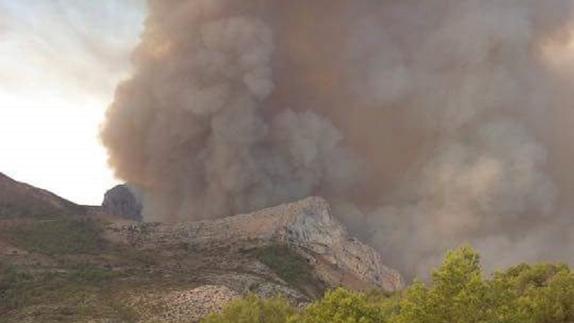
point(458, 293)
point(343, 306)
point(253, 309)
point(541, 293)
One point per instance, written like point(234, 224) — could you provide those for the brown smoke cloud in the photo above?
point(426, 123)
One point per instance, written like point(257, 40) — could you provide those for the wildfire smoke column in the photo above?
point(425, 124)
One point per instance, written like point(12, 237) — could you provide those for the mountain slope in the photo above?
point(19, 199)
point(58, 263)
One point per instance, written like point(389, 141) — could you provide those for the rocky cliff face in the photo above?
point(307, 227)
point(121, 201)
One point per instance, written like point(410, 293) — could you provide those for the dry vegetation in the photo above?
point(63, 269)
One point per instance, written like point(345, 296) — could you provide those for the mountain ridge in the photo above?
point(55, 253)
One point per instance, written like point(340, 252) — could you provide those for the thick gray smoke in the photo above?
point(427, 124)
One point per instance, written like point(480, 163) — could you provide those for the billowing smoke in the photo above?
point(427, 124)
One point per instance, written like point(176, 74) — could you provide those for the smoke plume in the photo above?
point(427, 124)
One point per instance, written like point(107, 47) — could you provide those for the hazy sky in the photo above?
point(59, 63)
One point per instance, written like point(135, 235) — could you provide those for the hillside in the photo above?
point(19, 199)
point(60, 262)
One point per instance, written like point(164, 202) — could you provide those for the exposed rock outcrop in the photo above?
point(121, 201)
point(306, 226)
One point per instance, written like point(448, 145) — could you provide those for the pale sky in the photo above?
point(60, 61)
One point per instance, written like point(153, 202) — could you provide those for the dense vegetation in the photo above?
point(286, 263)
point(292, 268)
point(458, 292)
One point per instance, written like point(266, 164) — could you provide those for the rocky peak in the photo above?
point(121, 201)
point(307, 226)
